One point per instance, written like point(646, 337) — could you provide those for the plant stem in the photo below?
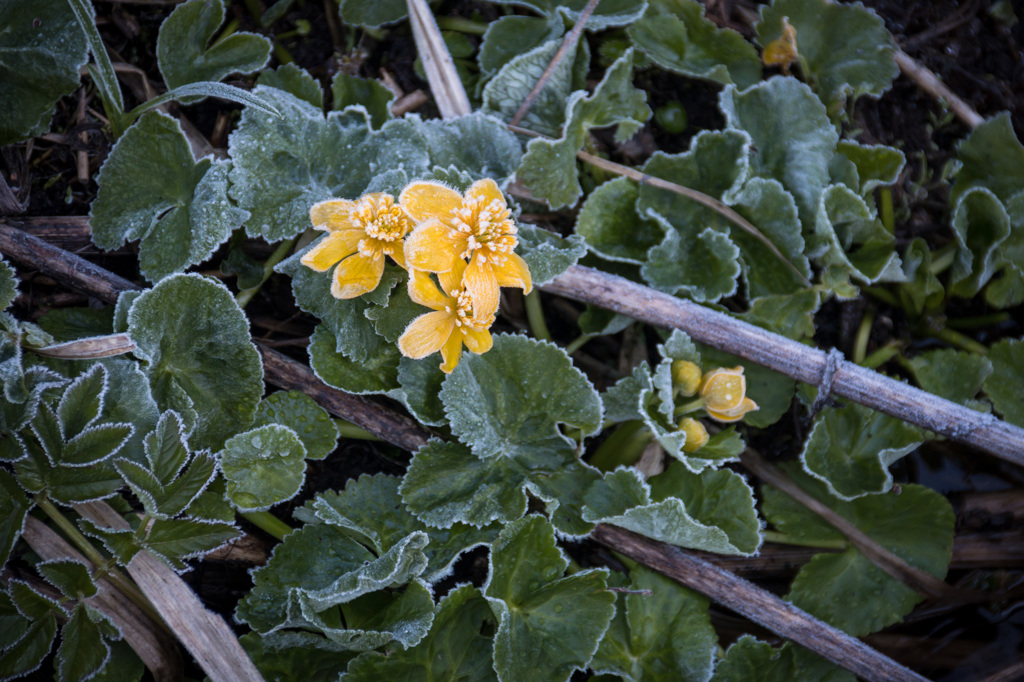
point(883, 295)
point(461, 25)
point(622, 447)
point(245, 295)
point(860, 342)
point(955, 338)
point(888, 215)
point(942, 259)
point(349, 430)
point(268, 523)
point(783, 539)
point(535, 316)
point(578, 343)
point(880, 356)
point(979, 321)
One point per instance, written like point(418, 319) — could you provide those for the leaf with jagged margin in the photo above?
point(281, 166)
point(454, 649)
point(70, 576)
point(980, 225)
point(477, 144)
point(612, 228)
point(84, 647)
point(1007, 289)
point(391, 319)
point(1005, 385)
point(711, 511)
point(868, 166)
point(622, 399)
point(25, 655)
point(371, 507)
point(851, 449)
point(44, 47)
point(22, 390)
point(70, 324)
point(378, 374)
point(211, 504)
point(185, 54)
point(372, 14)
point(513, 35)
point(953, 375)
point(263, 466)
point(295, 80)
point(846, 589)
point(304, 416)
point(124, 665)
point(504, 94)
point(547, 254)
point(8, 285)
point(605, 15)
point(558, 620)
point(922, 291)
point(420, 382)
point(790, 130)
point(704, 267)
point(296, 655)
point(791, 315)
point(677, 36)
point(549, 168)
point(448, 484)
point(12, 623)
point(661, 632)
point(512, 400)
point(844, 50)
point(991, 157)
point(198, 356)
point(64, 484)
point(172, 540)
point(371, 94)
point(751, 659)
point(14, 506)
point(152, 189)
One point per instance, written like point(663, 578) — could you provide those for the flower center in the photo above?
point(491, 232)
point(464, 312)
point(384, 223)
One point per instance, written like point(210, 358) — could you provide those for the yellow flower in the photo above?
point(696, 435)
point(475, 227)
point(361, 233)
point(782, 51)
point(686, 377)
point(724, 393)
point(451, 325)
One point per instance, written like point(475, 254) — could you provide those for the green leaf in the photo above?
point(922, 291)
point(712, 511)
point(513, 35)
point(185, 53)
point(511, 400)
point(991, 157)
point(1006, 383)
point(178, 539)
point(851, 449)
point(69, 576)
point(197, 91)
point(28, 652)
point(845, 51)
point(849, 238)
point(376, 375)
point(198, 357)
point(606, 15)
point(82, 401)
point(662, 631)
point(43, 48)
point(611, 227)
point(304, 416)
point(789, 315)
point(703, 267)
point(124, 665)
point(476, 144)
point(547, 254)
point(372, 14)
point(295, 80)
point(846, 589)
point(980, 225)
point(953, 375)
point(454, 649)
point(83, 650)
point(447, 484)
point(373, 95)
point(371, 507)
point(70, 324)
point(8, 285)
point(677, 36)
point(263, 466)
point(64, 484)
point(791, 131)
point(874, 165)
point(14, 506)
point(283, 165)
point(421, 382)
point(559, 620)
point(151, 189)
point(296, 655)
point(549, 168)
point(749, 658)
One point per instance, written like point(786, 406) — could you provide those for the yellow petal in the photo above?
point(422, 290)
point(482, 287)
point(332, 248)
point(487, 190)
point(357, 275)
point(332, 214)
point(426, 199)
point(398, 254)
point(430, 247)
point(451, 351)
point(724, 389)
point(735, 414)
point(477, 341)
point(452, 279)
point(426, 334)
point(514, 272)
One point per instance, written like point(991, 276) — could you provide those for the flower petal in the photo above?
point(425, 199)
point(422, 290)
point(477, 341)
point(398, 254)
point(357, 275)
point(514, 273)
point(426, 334)
point(487, 190)
point(451, 351)
point(452, 279)
point(735, 414)
point(332, 214)
point(334, 247)
point(430, 247)
point(482, 287)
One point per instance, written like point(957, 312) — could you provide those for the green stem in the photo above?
point(462, 25)
point(578, 343)
point(688, 407)
point(962, 341)
point(783, 539)
point(623, 447)
point(979, 321)
point(883, 295)
point(860, 342)
point(888, 214)
point(350, 430)
point(880, 356)
point(245, 295)
point(942, 259)
point(268, 523)
point(282, 54)
point(535, 316)
point(226, 33)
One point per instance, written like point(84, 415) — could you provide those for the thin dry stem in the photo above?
point(930, 83)
point(437, 62)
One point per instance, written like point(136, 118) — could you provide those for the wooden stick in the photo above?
point(437, 62)
point(930, 83)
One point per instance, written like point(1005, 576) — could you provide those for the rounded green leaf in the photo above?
point(304, 416)
point(611, 227)
point(194, 343)
point(372, 14)
point(8, 285)
point(1005, 385)
point(378, 374)
point(263, 466)
point(992, 157)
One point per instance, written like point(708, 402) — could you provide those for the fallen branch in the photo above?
point(930, 83)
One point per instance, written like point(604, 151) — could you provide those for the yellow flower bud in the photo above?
point(782, 51)
point(696, 435)
point(724, 393)
point(686, 377)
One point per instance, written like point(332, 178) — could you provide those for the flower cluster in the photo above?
point(722, 395)
point(466, 240)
